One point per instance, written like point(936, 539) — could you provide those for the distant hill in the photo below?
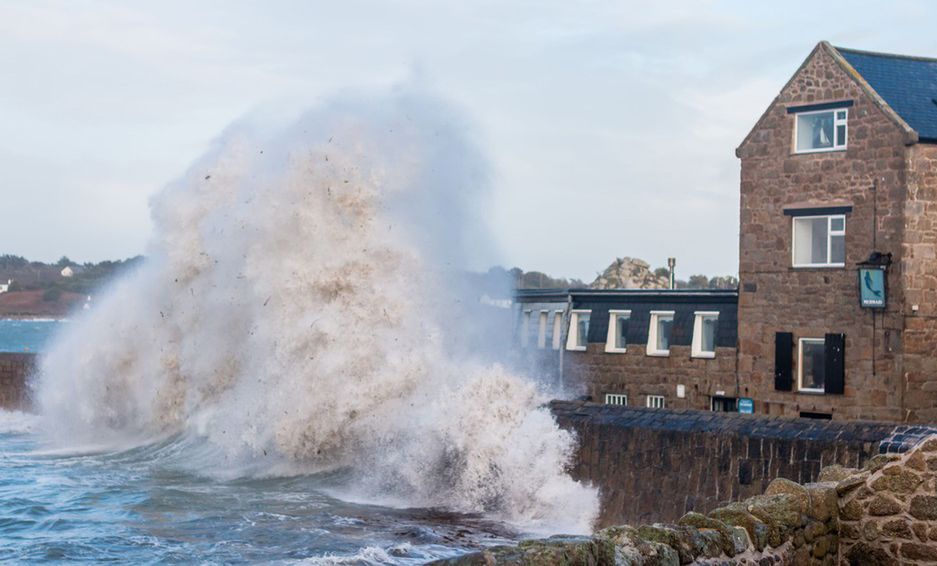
point(53, 289)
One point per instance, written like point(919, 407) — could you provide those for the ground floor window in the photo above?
point(723, 404)
point(818, 416)
point(811, 365)
point(616, 399)
point(656, 402)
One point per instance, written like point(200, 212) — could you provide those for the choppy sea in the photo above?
point(139, 506)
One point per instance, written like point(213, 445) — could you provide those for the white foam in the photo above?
point(295, 312)
point(17, 422)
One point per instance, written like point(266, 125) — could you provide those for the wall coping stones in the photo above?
point(891, 438)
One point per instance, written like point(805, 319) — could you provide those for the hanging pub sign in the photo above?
point(872, 290)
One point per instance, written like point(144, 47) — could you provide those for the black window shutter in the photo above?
point(835, 363)
point(783, 358)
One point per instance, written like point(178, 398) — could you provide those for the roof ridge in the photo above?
point(882, 54)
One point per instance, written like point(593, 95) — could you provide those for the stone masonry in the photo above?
point(15, 369)
point(885, 513)
point(891, 366)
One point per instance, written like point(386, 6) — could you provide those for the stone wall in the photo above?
point(775, 297)
point(15, 369)
point(638, 375)
point(888, 512)
point(656, 465)
point(885, 513)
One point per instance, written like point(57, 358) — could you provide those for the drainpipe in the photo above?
point(564, 334)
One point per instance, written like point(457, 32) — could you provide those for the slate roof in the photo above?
point(907, 84)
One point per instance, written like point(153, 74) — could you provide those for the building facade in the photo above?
point(840, 169)
point(836, 314)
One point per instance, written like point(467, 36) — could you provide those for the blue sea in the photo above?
point(27, 335)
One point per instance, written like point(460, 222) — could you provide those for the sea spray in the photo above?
point(297, 313)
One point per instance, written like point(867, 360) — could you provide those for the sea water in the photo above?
point(27, 335)
point(141, 506)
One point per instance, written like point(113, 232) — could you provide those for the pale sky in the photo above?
point(610, 126)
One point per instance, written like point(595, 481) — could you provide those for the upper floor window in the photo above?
point(557, 328)
point(704, 334)
point(821, 130)
point(819, 241)
point(656, 402)
point(617, 339)
point(658, 336)
point(542, 330)
point(578, 336)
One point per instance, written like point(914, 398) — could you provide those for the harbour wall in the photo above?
point(657, 464)
point(15, 369)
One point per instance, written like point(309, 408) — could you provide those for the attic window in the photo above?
point(821, 130)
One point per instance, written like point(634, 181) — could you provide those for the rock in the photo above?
point(781, 486)
point(930, 445)
point(821, 547)
point(629, 549)
point(822, 501)
point(740, 540)
point(782, 513)
point(870, 530)
point(916, 462)
point(882, 505)
point(629, 273)
point(924, 507)
point(923, 552)
point(851, 483)
point(851, 510)
point(582, 551)
point(920, 531)
point(897, 528)
point(877, 462)
point(897, 479)
point(836, 473)
point(863, 554)
point(813, 531)
point(681, 539)
point(736, 514)
point(704, 523)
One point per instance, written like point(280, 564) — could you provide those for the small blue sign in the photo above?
point(746, 405)
point(872, 287)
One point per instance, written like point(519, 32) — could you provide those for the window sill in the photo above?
point(704, 355)
point(576, 348)
point(820, 266)
point(659, 353)
point(613, 350)
point(821, 150)
point(812, 391)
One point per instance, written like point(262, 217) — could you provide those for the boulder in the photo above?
point(836, 473)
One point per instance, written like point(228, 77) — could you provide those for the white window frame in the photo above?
point(829, 238)
point(656, 402)
point(652, 346)
point(557, 329)
point(542, 330)
point(800, 365)
point(572, 333)
point(620, 399)
point(697, 346)
point(525, 328)
point(836, 123)
point(613, 316)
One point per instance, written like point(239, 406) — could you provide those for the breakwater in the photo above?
point(15, 369)
point(656, 465)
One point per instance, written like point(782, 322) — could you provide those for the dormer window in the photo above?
point(820, 129)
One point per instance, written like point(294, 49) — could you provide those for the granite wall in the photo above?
point(15, 369)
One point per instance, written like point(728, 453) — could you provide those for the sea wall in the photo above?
point(885, 513)
point(656, 465)
point(15, 369)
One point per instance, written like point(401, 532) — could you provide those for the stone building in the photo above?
point(840, 170)
point(837, 305)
